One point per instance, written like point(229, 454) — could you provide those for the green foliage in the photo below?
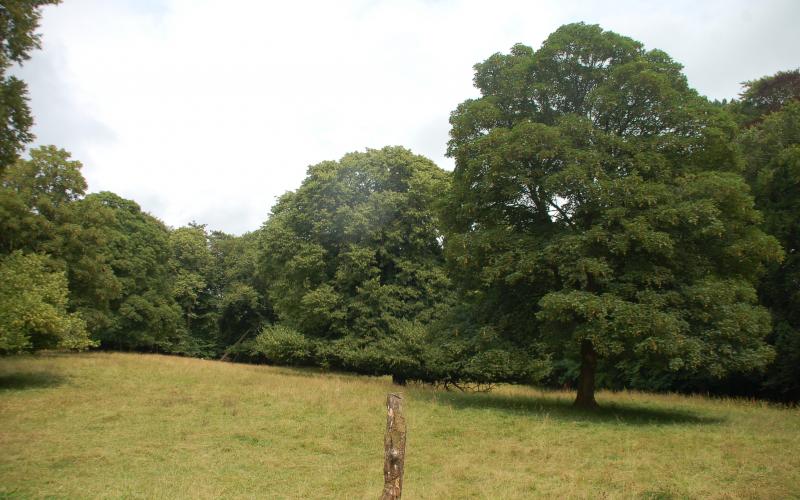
point(283, 345)
point(49, 180)
point(772, 152)
point(355, 249)
point(19, 20)
point(137, 285)
point(192, 274)
point(766, 95)
point(18, 23)
point(84, 239)
point(596, 198)
point(115, 257)
point(36, 197)
point(215, 282)
point(42, 211)
point(33, 307)
point(144, 315)
point(16, 118)
point(242, 306)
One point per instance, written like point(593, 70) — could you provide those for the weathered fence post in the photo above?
point(394, 445)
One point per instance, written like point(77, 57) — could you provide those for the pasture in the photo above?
point(149, 426)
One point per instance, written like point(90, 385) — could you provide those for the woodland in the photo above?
point(605, 227)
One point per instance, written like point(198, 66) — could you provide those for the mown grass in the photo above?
point(146, 426)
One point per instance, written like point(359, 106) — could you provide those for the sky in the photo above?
point(208, 110)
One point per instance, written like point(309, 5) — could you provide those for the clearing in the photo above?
point(145, 426)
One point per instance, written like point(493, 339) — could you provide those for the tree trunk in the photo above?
point(585, 398)
point(228, 350)
point(394, 445)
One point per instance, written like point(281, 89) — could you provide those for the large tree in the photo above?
point(33, 306)
point(242, 305)
point(598, 209)
point(772, 150)
point(193, 285)
point(42, 210)
point(36, 196)
point(766, 95)
point(19, 20)
point(115, 257)
point(353, 259)
point(144, 314)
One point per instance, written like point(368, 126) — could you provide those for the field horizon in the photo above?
point(107, 424)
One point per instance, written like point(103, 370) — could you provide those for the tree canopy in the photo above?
point(39, 216)
point(19, 20)
point(355, 252)
point(145, 313)
point(602, 195)
point(242, 307)
point(33, 307)
point(772, 153)
point(766, 95)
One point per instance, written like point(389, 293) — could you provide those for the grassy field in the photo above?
point(146, 426)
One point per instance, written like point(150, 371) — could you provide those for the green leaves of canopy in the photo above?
point(596, 192)
point(767, 95)
point(357, 248)
point(144, 314)
point(33, 307)
point(772, 153)
point(114, 256)
point(19, 20)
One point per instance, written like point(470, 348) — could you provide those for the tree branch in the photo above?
point(563, 214)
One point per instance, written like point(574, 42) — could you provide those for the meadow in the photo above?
point(148, 426)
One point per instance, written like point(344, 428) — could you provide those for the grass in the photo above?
point(147, 426)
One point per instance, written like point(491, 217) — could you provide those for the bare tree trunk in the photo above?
point(394, 445)
point(585, 398)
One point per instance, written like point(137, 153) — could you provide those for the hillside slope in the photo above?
point(144, 426)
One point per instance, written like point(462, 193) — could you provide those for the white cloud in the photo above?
point(209, 110)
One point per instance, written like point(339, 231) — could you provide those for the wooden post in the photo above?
point(394, 445)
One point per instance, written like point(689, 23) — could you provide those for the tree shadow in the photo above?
point(29, 380)
point(555, 407)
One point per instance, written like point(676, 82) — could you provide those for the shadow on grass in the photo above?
point(29, 380)
point(559, 408)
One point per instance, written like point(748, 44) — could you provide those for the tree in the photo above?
point(19, 20)
point(116, 258)
point(192, 275)
point(772, 152)
point(42, 211)
point(33, 307)
point(242, 306)
point(144, 314)
point(82, 239)
point(35, 198)
point(354, 255)
point(766, 95)
point(598, 212)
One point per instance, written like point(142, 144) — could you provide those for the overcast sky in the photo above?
point(207, 110)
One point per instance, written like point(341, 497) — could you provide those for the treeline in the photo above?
point(605, 226)
point(130, 282)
